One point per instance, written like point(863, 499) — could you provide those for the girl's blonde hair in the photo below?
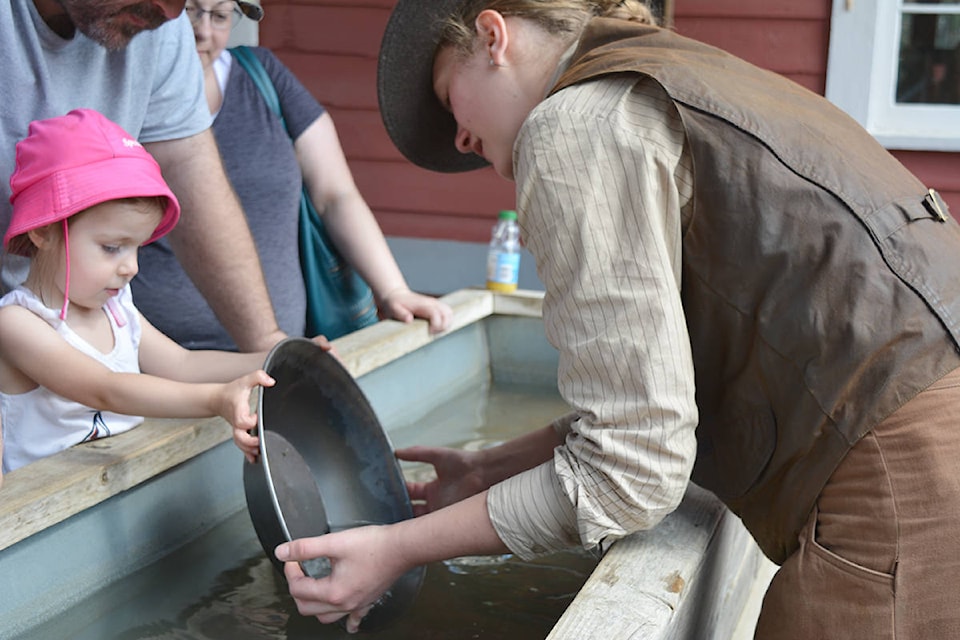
point(557, 17)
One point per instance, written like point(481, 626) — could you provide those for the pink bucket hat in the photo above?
point(73, 162)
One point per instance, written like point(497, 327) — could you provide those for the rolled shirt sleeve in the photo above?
point(601, 185)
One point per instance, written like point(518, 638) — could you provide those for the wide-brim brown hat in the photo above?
point(418, 124)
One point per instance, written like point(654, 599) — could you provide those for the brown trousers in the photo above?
point(879, 558)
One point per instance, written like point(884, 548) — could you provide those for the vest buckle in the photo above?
point(935, 205)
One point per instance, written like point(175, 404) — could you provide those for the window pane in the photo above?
point(929, 68)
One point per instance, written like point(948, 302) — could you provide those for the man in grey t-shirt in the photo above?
point(134, 61)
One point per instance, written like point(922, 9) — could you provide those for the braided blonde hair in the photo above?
point(557, 17)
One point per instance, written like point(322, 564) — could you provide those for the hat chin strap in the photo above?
point(66, 284)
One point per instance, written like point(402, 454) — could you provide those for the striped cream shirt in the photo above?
point(602, 187)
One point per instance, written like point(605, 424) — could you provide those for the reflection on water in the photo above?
point(243, 597)
point(499, 597)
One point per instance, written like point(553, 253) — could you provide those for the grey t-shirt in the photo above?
point(260, 161)
point(153, 88)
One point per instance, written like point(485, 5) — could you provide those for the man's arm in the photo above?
point(213, 242)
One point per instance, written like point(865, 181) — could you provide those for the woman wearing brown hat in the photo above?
point(746, 290)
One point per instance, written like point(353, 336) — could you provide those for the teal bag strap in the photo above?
point(251, 64)
point(338, 299)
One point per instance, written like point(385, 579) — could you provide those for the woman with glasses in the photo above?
point(225, 15)
point(266, 169)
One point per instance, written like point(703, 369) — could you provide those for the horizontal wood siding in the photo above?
point(940, 171)
point(332, 46)
point(796, 49)
point(793, 38)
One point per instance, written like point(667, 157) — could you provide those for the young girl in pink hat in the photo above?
point(77, 360)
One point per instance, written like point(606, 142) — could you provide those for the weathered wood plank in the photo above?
point(384, 342)
point(48, 491)
point(689, 577)
point(519, 303)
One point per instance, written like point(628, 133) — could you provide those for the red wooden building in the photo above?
point(332, 46)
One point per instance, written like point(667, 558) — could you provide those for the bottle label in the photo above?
point(503, 269)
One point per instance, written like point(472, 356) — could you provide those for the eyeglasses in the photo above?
point(220, 19)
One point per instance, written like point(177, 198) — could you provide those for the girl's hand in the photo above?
point(459, 475)
point(233, 404)
point(405, 305)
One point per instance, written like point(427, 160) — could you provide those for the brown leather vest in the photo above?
point(821, 280)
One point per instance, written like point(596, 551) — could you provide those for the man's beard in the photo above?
point(114, 31)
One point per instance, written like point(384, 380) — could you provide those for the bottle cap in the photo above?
point(508, 214)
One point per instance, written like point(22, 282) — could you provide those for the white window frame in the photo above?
point(862, 74)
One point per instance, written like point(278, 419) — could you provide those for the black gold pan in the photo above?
point(325, 465)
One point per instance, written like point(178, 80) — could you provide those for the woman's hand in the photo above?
point(364, 563)
point(459, 475)
point(322, 342)
point(405, 305)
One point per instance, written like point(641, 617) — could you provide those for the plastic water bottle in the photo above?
point(503, 258)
